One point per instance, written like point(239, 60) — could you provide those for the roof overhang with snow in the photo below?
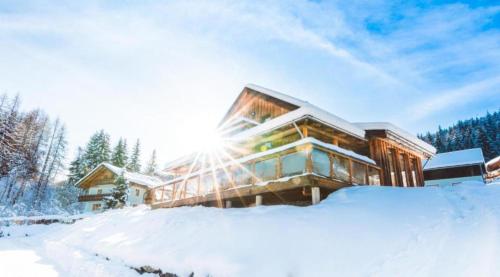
point(304, 109)
point(455, 159)
point(134, 178)
point(398, 134)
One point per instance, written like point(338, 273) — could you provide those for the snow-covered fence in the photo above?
point(44, 219)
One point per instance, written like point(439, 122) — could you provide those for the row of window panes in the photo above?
point(291, 165)
point(404, 175)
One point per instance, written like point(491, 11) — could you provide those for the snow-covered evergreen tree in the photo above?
point(475, 132)
point(119, 195)
point(151, 166)
point(97, 150)
point(77, 169)
point(135, 164)
point(119, 157)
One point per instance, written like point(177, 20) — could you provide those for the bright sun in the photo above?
point(211, 141)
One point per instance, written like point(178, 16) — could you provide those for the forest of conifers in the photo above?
point(482, 132)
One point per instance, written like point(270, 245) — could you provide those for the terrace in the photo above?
point(292, 169)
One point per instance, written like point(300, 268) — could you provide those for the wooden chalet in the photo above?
point(99, 184)
point(281, 150)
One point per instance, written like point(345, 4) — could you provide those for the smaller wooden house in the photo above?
point(455, 167)
point(99, 183)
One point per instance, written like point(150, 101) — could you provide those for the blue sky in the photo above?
point(159, 70)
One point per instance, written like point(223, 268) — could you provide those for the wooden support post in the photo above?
point(335, 141)
point(229, 204)
point(305, 131)
point(258, 200)
point(315, 195)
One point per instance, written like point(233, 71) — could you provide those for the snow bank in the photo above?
point(358, 231)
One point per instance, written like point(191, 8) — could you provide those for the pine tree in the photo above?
point(119, 157)
point(485, 143)
point(119, 195)
point(97, 150)
point(77, 168)
point(472, 133)
point(151, 166)
point(135, 163)
point(439, 143)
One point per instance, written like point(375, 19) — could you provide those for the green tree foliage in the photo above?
point(483, 132)
point(119, 157)
point(151, 166)
point(77, 169)
point(135, 164)
point(97, 150)
point(119, 194)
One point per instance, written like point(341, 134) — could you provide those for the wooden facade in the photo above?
point(257, 106)
point(380, 157)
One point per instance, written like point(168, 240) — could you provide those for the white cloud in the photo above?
point(153, 69)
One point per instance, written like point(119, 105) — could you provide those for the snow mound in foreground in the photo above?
point(358, 231)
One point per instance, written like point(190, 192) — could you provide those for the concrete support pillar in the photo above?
point(315, 195)
point(229, 204)
point(258, 200)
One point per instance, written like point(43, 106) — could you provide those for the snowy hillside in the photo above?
point(359, 231)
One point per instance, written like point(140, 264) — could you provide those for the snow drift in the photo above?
point(358, 231)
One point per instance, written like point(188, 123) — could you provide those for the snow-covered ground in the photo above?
point(359, 231)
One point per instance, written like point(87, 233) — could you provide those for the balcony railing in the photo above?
point(315, 158)
point(92, 197)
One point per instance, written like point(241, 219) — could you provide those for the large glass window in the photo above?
point(341, 168)
point(266, 170)
point(243, 175)
point(413, 169)
point(358, 173)
point(294, 163)
point(403, 169)
point(222, 179)
point(192, 187)
point(373, 176)
point(179, 190)
point(207, 184)
point(321, 162)
point(392, 170)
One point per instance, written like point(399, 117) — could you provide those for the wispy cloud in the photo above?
point(159, 57)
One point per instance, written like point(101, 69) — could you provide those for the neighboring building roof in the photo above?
point(136, 178)
point(455, 158)
point(398, 132)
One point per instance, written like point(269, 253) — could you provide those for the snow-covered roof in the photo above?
point(133, 177)
point(278, 95)
point(455, 158)
point(398, 132)
point(254, 156)
point(300, 113)
point(493, 161)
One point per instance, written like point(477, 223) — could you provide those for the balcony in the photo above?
point(92, 197)
point(293, 166)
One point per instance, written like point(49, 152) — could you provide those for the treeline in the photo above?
point(98, 150)
point(32, 153)
point(483, 132)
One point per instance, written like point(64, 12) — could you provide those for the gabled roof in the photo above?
point(455, 159)
point(398, 132)
point(132, 177)
point(304, 109)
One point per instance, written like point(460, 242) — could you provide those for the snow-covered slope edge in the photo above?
point(359, 231)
